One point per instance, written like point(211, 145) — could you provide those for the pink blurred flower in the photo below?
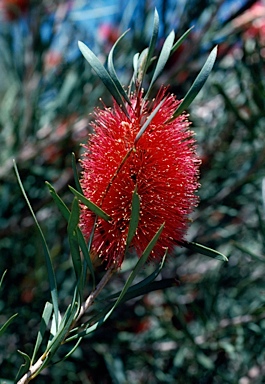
point(253, 22)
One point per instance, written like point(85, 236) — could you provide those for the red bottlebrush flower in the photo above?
point(163, 165)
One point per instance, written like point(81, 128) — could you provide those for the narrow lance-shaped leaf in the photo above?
point(24, 367)
point(140, 288)
point(46, 315)
point(134, 218)
point(249, 252)
point(77, 296)
point(162, 60)
point(112, 71)
point(148, 121)
point(151, 287)
point(197, 84)
point(73, 238)
point(135, 63)
point(180, 40)
point(149, 279)
point(99, 318)
point(133, 293)
point(2, 278)
point(132, 81)
point(93, 207)
point(60, 204)
point(152, 45)
point(7, 323)
point(140, 263)
point(72, 350)
point(85, 250)
point(66, 214)
point(137, 268)
point(141, 62)
point(62, 331)
point(55, 343)
point(103, 75)
point(77, 183)
point(204, 250)
point(51, 275)
point(53, 327)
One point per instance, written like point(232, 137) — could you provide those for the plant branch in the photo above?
point(84, 307)
point(89, 301)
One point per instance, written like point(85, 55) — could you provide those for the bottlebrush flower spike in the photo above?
point(163, 165)
point(144, 146)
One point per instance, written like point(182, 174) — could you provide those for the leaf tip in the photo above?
point(81, 46)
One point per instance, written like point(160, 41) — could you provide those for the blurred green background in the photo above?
point(210, 327)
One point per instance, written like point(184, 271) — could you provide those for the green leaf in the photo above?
point(152, 45)
point(64, 327)
point(85, 250)
point(73, 238)
point(149, 279)
point(135, 291)
point(77, 297)
point(148, 121)
point(154, 286)
point(128, 283)
point(134, 218)
point(135, 61)
point(71, 351)
point(112, 71)
point(195, 247)
point(93, 207)
point(53, 328)
point(180, 40)
point(6, 324)
point(60, 204)
point(76, 178)
point(197, 84)
point(66, 213)
point(46, 315)
point(140, 263)
point(2, 278)
point(140, 288)
point(135, 68)
point(141, 62)
point(103, 75)
point(249, 252)
point(51, 275)
point(24, 367)
point(162, 60)
point(74, 216)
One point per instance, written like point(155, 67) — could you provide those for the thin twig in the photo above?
point(84, 307)
point(89, 301)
